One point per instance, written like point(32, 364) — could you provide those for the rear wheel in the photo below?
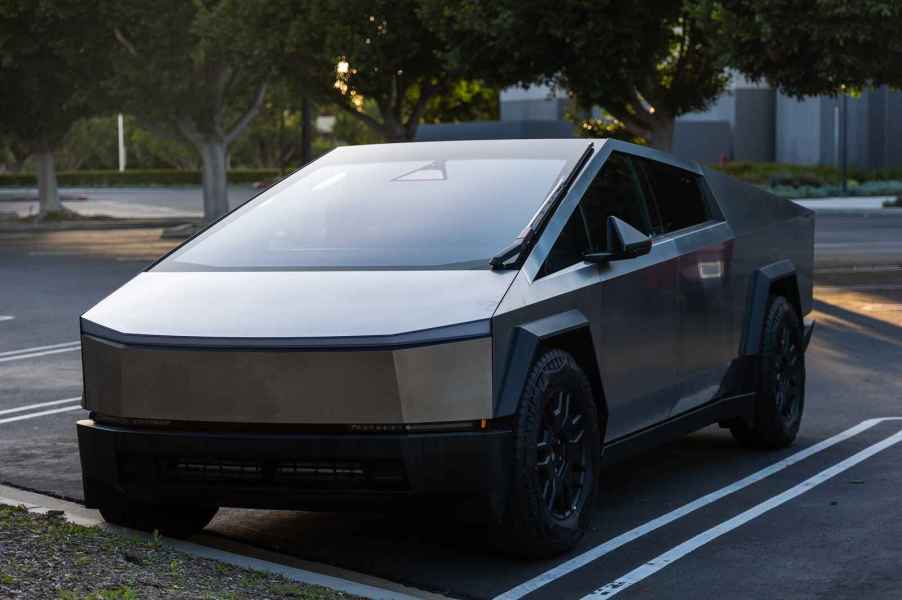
point(172, 520)
point(780, 398)
point(556, 457)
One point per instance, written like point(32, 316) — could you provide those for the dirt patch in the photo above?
point(44, 556)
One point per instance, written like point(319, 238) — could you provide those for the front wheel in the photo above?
point(557, 447)
point(780, 398)
point(178, 521)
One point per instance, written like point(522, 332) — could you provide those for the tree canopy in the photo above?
point(644, 63)
point(810, 47)
point(191, 70)
point(381, 51)
point(53, 55)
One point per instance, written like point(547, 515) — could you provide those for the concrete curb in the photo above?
point(99, 225)
point(243, 556)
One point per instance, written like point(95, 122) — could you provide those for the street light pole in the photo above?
point(844, 149)
point(121, 126)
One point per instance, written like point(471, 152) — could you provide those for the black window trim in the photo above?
point(646, 199)
point(712, 210)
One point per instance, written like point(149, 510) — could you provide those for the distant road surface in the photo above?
point(136, 202)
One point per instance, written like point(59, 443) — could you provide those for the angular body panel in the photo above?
point(434, 383)
point(297, 305)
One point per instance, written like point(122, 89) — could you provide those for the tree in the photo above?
point(383, 51)
point(811, 47)
point(52, 53)
point(645, 63)
point(192, 71)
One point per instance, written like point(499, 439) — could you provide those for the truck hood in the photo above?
point(299, 308)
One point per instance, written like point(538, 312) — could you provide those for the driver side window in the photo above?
point(616, 190)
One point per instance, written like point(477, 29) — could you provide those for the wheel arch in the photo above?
point(777, 278)
point(568, 331)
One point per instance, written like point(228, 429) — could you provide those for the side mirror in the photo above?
point(624, 241)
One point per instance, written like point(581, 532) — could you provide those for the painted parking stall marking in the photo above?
point(677, 552)
point(6, 318)
point(32, 411)
point(613, 544)
point(38, 351)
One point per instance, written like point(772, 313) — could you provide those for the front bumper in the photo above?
point(303, 471)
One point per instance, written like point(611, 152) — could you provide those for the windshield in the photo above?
point(387, 207)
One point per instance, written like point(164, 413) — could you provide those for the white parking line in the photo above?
point(40, 414)
point(39, 405)
point(37, 351)
point(678, 552)
point(6, 317)
point(39, 348)
point(609, 546)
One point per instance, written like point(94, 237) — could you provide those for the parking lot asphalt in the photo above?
point(696, 518)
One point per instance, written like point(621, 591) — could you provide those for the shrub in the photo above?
point(776, 174)
point(137, 177)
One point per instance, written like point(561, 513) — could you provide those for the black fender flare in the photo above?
point(526, 342)
point(781, 274)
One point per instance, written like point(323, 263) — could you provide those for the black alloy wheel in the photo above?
point(562, 457)
point(780, 397)
point(557, 452)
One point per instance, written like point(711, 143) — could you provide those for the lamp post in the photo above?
point(121, 126)
point(844, 148)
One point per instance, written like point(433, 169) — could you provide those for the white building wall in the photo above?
point(798, 139)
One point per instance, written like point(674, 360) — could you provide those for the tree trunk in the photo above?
point(393, 131)
point(662, 134)
point(213, 170)
point(48, 194)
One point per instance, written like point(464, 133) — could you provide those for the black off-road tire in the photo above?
point(533, 526)
point(177, 521)
point(780, 398)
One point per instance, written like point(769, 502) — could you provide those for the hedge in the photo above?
point(137, 177)
point(810, 176)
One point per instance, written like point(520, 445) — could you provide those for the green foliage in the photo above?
point(188, 69)
point(810, 47)
point(148, 150)
point(390, 55)
point(762, 173)
point(90, 143)
point(606, 127)
point(136, 177)
point(49, 75)
point(463, 100)
point(767, 173)
point(815, 181)
point(643, 62)
point(274, 138)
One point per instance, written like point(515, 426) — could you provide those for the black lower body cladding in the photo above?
point(288, 471)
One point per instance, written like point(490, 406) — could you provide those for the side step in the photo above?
point(676, 427)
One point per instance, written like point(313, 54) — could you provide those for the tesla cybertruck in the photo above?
point(487, 320)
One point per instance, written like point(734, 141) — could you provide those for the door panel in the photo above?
point(638, 340)
point(705, 299)
point(631, 304)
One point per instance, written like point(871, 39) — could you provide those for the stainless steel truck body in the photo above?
point(481, 319)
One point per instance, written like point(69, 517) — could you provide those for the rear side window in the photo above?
point(678, 194)
point(617, 191)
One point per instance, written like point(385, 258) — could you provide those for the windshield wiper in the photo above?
point(512, 256)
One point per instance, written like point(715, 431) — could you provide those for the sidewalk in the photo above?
point(124, 203)
point(846, 204)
